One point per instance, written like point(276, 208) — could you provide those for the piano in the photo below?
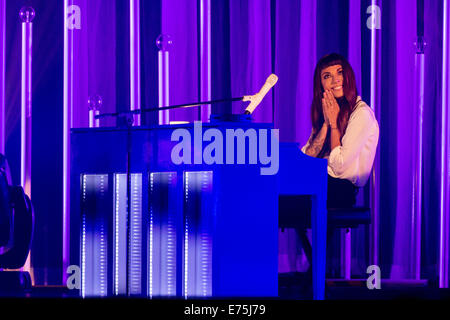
point(300, 174)
point(192, 229)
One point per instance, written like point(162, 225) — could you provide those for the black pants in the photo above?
point(295, 211)
point(341, 193)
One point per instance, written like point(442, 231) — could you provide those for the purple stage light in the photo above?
point(163, 42)
point(416, 217)
point(2, 74)
point(68, 106)
point(95, 102)
point(444, 245)
point(27, 15)
point(374, 99)
point(354, 54)
point(205, 58)
point(135, 61)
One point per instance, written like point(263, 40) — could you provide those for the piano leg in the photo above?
point(319, 244)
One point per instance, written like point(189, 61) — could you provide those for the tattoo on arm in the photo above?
point(316, 146)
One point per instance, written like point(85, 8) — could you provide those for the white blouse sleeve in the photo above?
point(355, 137)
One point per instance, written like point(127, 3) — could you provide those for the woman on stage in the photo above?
point(344, 130)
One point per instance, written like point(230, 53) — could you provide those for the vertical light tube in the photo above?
point(95, 102)
point(2, 75)
point(135, 59)
point(26, 15)
point(163, 43)
point(416, 217)
point(374, 100)
point(354, 55)
point(444, 245)
point(94, 123)
point(67, 124)
point(205, 58)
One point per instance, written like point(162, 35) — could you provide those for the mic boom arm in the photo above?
point(256, 99)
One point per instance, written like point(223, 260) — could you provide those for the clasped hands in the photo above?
point(330, 109)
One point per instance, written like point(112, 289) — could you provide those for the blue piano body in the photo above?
point(194, 230)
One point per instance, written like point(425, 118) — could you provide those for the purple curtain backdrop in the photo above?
point(94, 59)
point(295, 42)
point(250, 53)
point(303, 31)
point(405, 30)
point(179, 21)
point(257, 37)
point(396, 145)
point(432, 136)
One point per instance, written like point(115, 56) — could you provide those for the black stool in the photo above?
point(295, 212)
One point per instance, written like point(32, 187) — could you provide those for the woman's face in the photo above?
point(332, 78)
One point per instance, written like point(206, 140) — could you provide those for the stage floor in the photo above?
point(297, 286)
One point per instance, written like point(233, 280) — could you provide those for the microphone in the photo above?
point(256, 99)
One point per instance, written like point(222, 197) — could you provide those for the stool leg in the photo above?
point(319, 245)
point(346, 253)
point(305, 244)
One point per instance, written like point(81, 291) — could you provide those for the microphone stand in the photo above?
point(128, 115)
point(177, 106)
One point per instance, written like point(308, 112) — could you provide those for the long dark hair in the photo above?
point(346, 103)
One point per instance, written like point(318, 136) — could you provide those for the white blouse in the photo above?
point(353, 160)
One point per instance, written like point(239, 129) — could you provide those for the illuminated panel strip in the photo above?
point(186, 240)
point(205, 237)
point(170, 271)
point(102, 272)
point(120, 235)
point(116, 235)
point(444, 218)
point(100, 239)
point(83, 242)
point(197, 261)
point(162, 234)
point(94, 235)
point(135, 246)
point(150, 241)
